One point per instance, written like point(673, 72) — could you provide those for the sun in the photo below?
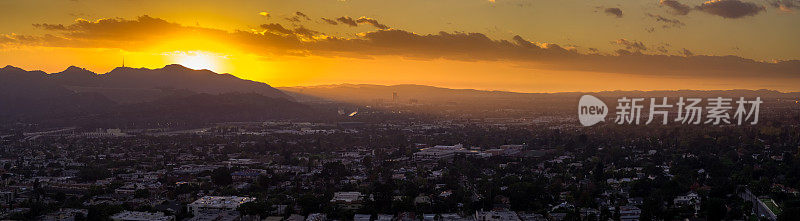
point(197, 60)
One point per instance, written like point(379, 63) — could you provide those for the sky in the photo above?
point(511, 45)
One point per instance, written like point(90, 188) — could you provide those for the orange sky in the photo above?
point(648, 46)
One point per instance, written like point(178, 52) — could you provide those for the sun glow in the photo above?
point(197, 60)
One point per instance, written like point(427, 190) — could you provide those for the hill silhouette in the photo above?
point(131, 85)
point(138, 96)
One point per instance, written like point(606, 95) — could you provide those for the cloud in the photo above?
point(687, 53)
point(279, 29)
point(330, 21)
point(298, 16)
point(662, 49)
point(265, 14)
point(730, 8)
point(614, 11)
point(302, 15)
point(144, 31)
point(114, 28)
point(630, 45)
point(785, 5)
point(677, 7)
point(347, 20)
point(667, 22)
point(354, 22)
point(372, 22)
point(305, 32)
point(276, 28)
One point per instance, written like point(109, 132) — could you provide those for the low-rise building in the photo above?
point(217, 203)
point(348, 200)
point(141, 216)
point(629, 213)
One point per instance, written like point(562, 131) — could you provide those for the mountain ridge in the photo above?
point(172, 76)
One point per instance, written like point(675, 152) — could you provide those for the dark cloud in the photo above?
point(630, 45)
point(372, 22)
point(614, 11)
point(330, 21)
point(116, 29)
point(298, 16)
point(276, 28)
point(354, 22)
point(58, 27)
point(785, 5)
point(662, 49)
point(139, 33)
point(622, 52)
point(667, 21)
point(347, 20)
point(302, 15)
point(677, 7)
point(730, 8)
point(279, 29)
point(687, 53)
point(305, 32)
point(135, 34)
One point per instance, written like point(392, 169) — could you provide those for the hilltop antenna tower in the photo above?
point(123, 61)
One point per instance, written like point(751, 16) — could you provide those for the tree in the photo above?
point(258, 207)
point(221, 176)
point(141, 193)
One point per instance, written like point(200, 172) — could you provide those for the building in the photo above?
point(348, 200)
point(496, 216)
point(689, 199)
point(446, 152)
point(629, 213)
point(141, 216)
point(65, 214)
point(317, 217)
point(213, 204)
point(217, 216)
point(362, 217)
point(438, 152)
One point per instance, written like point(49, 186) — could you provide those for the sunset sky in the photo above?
point(513, 45)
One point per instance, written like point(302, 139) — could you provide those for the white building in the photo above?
point(446, 152)
point(212, 204)
point(362, 217)
point(629, 213)
point(141, 216)
point(689, 199)
point(348, 200)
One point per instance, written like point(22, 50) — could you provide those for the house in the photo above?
point(317, 217)
point(348, 200)
point(629, 213)
point(212, 204)
point(502, 215)
point(362, 217)
point(690, 198)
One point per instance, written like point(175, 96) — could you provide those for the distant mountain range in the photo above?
point(138, 95)
point(124, 84)
point(406, 93)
